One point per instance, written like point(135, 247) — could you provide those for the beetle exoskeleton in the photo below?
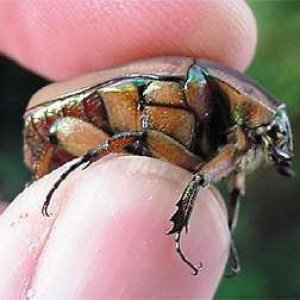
point(199, 115)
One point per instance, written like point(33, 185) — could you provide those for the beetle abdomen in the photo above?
point(175, 106)
point(38, 139)
point(165, 110)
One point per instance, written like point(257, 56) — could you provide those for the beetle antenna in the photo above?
point(62, 177)
point(195, 268)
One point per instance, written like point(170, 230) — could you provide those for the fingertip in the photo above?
point(61, 40)
point(110, 240)
point(232, 33)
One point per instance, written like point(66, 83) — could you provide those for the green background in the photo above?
point(268, 235)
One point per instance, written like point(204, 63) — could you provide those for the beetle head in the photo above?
point(277, 142)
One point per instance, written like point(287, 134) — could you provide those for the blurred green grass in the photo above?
point(277, 61)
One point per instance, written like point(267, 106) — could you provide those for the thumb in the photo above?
point(107, 235)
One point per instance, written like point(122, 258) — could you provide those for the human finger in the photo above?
point(106, 236)
point(66, 38)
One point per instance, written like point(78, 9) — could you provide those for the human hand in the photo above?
point(106, 235)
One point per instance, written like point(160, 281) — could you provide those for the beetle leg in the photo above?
point(115, 144)
point(164, 147)
point(236, 186)
point(182, 214)
point(214, 170)
point(73, 135)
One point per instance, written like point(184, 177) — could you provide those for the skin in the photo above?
point(106, 235)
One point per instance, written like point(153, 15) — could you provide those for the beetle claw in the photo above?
point(45, 212)
point(195, 268)
point(196, 271)
point(234, 263)
point(200, 265)
point(233, 272)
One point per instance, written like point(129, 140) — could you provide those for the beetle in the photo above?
point(197, 114)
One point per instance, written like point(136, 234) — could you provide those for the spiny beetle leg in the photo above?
point(115, 144)
point(236, 187)
point(186, 203)
point(218, 167)
point(62, 177)
point(233, 261)
point(182, 214)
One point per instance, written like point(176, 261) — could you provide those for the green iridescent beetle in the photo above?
point(199, 115)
